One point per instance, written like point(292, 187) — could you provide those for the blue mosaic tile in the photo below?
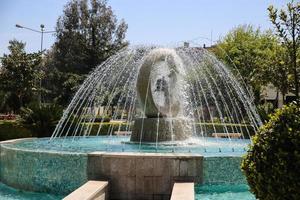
point(57, 173)
point(218, 170)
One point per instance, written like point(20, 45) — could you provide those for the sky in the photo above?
point(162, 22)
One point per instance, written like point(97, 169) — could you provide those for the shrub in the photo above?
point(107, 127)
point(220, 128)
point(102, 119)
point(97, 119)
point(12, 130)
point(265, 110)
point(41, 120)
point(272, 163)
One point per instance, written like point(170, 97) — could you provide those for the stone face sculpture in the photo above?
point(159, 87)
point(167, 92)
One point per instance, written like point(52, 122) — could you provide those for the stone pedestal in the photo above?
point(144, 176)
point(146, 129)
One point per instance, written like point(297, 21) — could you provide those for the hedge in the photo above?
point(107, 127)
point(220, 128)
point(12, 130)
point(209, 127)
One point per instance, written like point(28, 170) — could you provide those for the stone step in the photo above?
point(184, 191)
point(91, 190)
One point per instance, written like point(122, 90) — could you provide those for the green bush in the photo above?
point(97, 119)
point(273, 161)
point(106, 127)
point(265, 110)
point(220, 128)
point(12, 130)
point(41, 120)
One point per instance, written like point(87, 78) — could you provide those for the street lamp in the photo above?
point(42, 31)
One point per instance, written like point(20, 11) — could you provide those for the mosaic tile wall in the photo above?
point(61, 173)
point(41, 171)
point(217, 170)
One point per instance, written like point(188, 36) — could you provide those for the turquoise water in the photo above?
point(221, 164)
point(223, 192)
point(8, 193)
point(203, 146)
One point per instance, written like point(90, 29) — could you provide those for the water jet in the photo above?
point(190, 119)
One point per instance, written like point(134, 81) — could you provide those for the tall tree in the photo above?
point(19, 74)
point(87, 33)
point(249, 52)
point(287, 25)
point(274, 69)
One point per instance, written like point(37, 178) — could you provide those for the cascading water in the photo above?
point(161, 96)
point(130, 115)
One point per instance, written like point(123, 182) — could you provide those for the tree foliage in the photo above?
point(272, 163)
point(87, 33)
point(41, 120)
point(19, 75)
point(250, 53)
point(287, 26)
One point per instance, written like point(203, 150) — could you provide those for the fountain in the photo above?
point(175, 114)
point(159, 89)
point(171, 94)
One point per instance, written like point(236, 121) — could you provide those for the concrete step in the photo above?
point(91, 190)
point(183, 191)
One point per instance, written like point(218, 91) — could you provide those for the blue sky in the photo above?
point(150, 21)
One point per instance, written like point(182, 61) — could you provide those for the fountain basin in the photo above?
point(8, 193)
point(223, 192)
point(37, 165)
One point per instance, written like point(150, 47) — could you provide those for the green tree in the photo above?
point(287, 26)
point(87, 33)
point(19, 75)
point(59, 86)
point(277, 71)
point(249, 52)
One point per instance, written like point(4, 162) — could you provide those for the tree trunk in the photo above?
point(112, 111)
point(277, 99)
point(294, 59)
point(94, 50)
point(295, 73)
point(283, 97)
point(296, 82)
point(20, 101)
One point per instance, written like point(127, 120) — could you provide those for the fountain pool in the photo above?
point(223, 192)
point(62, 166)
point(212, 147)
point(187, 117)
point(7, 193)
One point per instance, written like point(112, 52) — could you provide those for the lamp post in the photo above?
point(42, 32)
